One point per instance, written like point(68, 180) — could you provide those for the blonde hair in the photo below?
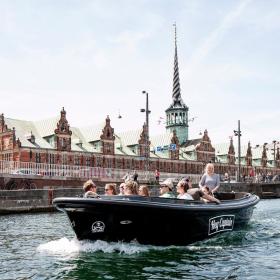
point(209, 169)
point(88, 185)
point(132, 186)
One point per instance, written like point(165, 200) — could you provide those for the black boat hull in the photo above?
point(153, 220)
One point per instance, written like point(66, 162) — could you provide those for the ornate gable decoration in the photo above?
point(3, 126)
point(63, 133)
point(107, 131)
point(205, 137)
point(8, 139)
point(231, 152)
point(248, 157)
point(107, 139)
point(62, 125)
point(204, 150)
point(143, 151)
point(174, 153)
point(16, 142)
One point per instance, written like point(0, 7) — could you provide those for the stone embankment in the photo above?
point(263, 190)
point(40, 200)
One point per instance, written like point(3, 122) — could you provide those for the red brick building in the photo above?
point(54, 141)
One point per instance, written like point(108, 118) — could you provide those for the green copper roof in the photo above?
point(87, 139)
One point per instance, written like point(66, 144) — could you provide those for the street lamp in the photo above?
point(147, 146)
point(238, 134)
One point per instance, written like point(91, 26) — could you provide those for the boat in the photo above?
point(156, 220)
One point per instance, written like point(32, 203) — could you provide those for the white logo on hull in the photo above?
point(97, 226)
point(221, 223)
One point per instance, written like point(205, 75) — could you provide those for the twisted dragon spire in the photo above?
point(176, 95)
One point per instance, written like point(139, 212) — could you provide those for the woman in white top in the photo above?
point(210, 179)
point(182, 188)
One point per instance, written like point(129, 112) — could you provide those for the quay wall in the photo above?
point(22, 182)
point(40, 200)
point(15, 182)
point(263, 190)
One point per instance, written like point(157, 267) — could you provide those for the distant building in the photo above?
point(177, 113)
point(54, 141)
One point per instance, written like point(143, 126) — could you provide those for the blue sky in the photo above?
point(95, 58)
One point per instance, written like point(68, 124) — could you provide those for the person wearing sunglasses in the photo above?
point(166, 188)
point(110, 189)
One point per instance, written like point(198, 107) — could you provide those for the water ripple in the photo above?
point(43, 246)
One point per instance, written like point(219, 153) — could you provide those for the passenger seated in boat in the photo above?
point(121, 189)
point(199, 194)
point(131, 188)
point(110, 189)
point(166, 189)
point(90, 189)
point(144, 190)
point(182, 188)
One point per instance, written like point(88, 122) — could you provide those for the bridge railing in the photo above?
point(83, 172)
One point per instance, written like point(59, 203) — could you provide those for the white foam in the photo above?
point(64, 246)
point(204, 247)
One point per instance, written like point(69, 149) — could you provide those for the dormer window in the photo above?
point(80, 143)
point(31, 138)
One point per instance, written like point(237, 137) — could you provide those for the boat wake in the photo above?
point(64, 246)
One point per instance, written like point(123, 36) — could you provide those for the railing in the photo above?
point(84, 172)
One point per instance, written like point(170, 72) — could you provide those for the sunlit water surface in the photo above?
point(43, 246)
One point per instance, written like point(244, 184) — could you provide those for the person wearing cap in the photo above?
point(166, 189)
point(90, 189)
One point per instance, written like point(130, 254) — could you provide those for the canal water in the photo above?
point(43, 246)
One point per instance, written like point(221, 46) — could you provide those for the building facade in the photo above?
point(54, 141)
